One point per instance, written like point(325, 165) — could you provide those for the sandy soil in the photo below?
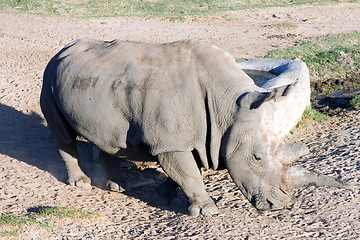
point(32, 174)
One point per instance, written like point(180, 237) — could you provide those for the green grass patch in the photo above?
point(355, 102)
point(171, 9)
point(12, 225)
point(285, 26)
point(12, 220)
point(62, 212)
point(311, 115)
point(329, 58)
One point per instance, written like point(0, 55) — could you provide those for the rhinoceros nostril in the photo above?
point(253, 201)
point(271, 205)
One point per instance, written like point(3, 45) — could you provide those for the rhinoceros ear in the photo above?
point(290, 152)
point(279, 92)
point(253, 100)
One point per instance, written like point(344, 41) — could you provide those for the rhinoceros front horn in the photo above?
point(300, 177)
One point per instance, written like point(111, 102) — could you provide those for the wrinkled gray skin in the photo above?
point(186, 104)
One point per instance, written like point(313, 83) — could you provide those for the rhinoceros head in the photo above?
point(260, 165)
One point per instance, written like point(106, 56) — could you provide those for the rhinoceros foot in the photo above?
point(207, 208)
point(81, 182)
point(113, 186)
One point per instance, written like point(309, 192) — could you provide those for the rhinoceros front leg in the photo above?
point(182, 168)
point(76, 177)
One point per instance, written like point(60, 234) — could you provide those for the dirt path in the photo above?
point(32, 175)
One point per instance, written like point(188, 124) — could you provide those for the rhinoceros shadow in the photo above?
point(25, 137)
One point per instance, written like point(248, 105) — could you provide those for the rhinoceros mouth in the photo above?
point(277, 198)
point(267, 203)
point(263, 204)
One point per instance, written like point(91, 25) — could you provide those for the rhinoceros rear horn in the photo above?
point(290, 152)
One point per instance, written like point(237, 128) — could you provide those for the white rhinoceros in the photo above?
point(186, 104)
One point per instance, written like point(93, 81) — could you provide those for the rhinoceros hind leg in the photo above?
point(113, 186)
point(65, 137)
point(182, 168)
point(112, 166)
point(76, 177)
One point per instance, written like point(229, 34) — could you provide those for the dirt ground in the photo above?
point(32, 174)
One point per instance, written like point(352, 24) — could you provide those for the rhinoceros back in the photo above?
point(120, 94)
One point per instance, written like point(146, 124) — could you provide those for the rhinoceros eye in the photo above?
point(257, 157)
